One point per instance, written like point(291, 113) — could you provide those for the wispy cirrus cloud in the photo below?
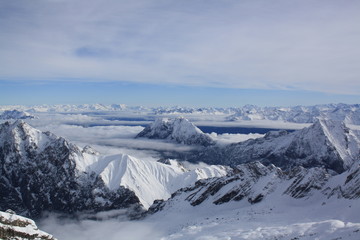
point(260, 44)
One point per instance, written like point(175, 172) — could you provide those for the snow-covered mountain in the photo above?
point(15, 114)
point(42, 172)
point(253, 182)
point(13, 226)
point(325, 143)
point(149, 180)
point(264, 202)
point(176, 129)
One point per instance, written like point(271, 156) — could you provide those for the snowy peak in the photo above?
point(15, 114)
point(19, 138)
point(150, 180)
point(325, 143)
point(330, 136)
point(177, 129)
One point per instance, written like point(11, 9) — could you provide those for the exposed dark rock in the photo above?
point(38, 173)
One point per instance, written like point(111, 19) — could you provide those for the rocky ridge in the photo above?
point(326, 143)
point(254, 182)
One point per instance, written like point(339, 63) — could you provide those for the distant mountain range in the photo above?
point(15, 114)
point(349, 113)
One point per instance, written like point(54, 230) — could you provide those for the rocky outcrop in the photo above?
point(16, 227)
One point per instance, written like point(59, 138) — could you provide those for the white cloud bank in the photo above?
point(300, 45)
point(113, 229)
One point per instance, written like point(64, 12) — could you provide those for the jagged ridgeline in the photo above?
point(42, 172)
point(253, 182)
point(326, 143)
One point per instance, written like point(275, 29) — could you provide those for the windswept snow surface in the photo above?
point(319, 214)
point(273, 219)
point(280, 219)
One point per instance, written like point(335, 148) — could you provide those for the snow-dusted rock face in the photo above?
point(177, 129)
point(15, 114)
point(325, 143)
point(41, 172)
point(16, 227)
point(253, 182)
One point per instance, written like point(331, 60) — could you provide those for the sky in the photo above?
point(189, 53)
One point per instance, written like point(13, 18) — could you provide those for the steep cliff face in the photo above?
point(178, 129)
point(16, 227)
point(42, 172)
point(326, 143)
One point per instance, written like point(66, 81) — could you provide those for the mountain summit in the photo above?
point(42, 172)
point(325, 143)
point(177, 129)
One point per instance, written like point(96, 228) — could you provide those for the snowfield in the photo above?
point(272, 219)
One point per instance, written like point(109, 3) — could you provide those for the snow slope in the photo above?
point(258, 202)
point(147, 179)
